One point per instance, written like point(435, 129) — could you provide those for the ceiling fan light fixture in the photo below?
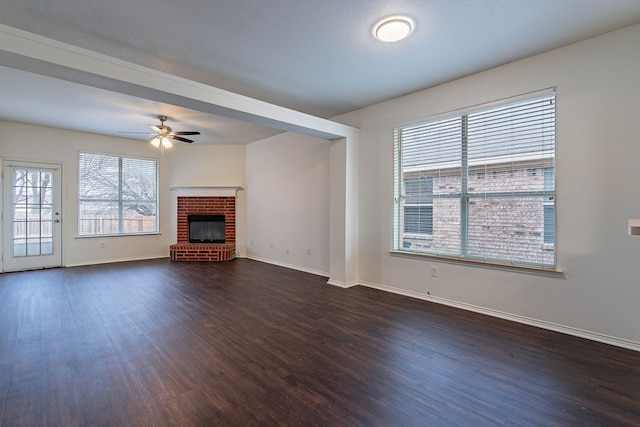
point(166, 143)
point(164, 134)
point(393, 29)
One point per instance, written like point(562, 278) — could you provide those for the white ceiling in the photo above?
point(312, 56)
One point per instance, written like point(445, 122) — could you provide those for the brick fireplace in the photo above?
point(187, 205)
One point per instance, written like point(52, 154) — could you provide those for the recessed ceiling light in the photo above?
point(393, 29)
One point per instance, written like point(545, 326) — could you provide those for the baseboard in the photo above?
point(306, 270)
point(291, 266)
point(111, 261)
point(593, 336)
point(344, 285)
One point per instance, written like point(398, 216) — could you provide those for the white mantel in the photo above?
point(204, 191)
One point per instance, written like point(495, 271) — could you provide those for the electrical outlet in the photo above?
point(434, 271)
point(101, 245)
point(308, 251)
point(287, 251)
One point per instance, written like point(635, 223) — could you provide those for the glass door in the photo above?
point(32, 222)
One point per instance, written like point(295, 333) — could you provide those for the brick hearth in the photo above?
point(202, 252)
point(207, 205)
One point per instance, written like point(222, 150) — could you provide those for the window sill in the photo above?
point(548, 272)
point(102, 236)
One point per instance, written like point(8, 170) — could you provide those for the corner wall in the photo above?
point(598, 148)
point(287, 181)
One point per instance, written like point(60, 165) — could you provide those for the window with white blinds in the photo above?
point(117, 195)
point(480, 184)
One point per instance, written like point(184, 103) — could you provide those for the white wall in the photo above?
point(598, 151)
point(210, 166)
point(192, 165)
point(36, 143)
point(287, 178)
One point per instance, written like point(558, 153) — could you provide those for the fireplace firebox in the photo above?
point(206, 228)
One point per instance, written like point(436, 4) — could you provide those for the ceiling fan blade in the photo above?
point(179, 138)
point(155, 128)
point(186, 133)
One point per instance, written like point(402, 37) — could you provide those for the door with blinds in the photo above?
point(32, 219)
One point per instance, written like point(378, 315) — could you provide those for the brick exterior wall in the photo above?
point(524, 236)
point(196, 205)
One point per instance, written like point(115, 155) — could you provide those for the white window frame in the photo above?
point(121, 201)
point(462, 164)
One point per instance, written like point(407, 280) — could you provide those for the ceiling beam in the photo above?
point(40, 55)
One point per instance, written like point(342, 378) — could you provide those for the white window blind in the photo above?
point(480, 184)
point(117, 195)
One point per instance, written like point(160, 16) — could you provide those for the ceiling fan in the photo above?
point(164, 134)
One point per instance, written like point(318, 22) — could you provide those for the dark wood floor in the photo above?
point(244, 343)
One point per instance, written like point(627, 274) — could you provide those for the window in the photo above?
point(117, 195)
point(549, 207)
point(480, 185)
point(418, 207)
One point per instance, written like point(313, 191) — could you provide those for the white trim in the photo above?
point(593, 336)
point(342, 285)
point(204, 191)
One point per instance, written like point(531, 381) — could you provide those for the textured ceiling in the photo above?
point(316, 57)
